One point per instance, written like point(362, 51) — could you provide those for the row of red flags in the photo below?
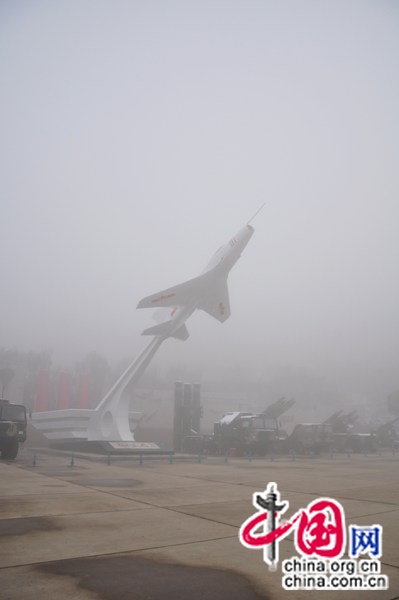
point(62, 390)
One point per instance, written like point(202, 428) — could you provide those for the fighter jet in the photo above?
point(206, 292)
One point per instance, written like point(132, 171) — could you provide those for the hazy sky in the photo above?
point(138, 136)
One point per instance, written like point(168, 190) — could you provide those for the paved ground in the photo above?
point(169, 531)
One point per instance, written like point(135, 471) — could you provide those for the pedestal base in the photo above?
point(112, 448)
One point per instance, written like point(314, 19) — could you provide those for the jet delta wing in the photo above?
point(216, 303)
point(178, 295)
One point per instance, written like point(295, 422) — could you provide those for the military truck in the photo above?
point(310, 438)
point(345, 439)
point(12, 428)
point(244, 434)
point(387, 434)
point(247, 434)
point(355, 442)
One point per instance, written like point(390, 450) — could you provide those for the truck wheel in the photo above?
point(10, 449)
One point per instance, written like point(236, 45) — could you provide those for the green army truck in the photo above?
point(12, 428)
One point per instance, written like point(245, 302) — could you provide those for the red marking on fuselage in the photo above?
point(221, 308)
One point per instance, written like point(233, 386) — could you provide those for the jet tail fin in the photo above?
point(164, 328)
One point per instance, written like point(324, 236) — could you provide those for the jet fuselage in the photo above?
point(206, 292)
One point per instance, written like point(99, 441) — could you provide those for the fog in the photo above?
point(137, 137)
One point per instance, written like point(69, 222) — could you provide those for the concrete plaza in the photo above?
point(168, 528)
